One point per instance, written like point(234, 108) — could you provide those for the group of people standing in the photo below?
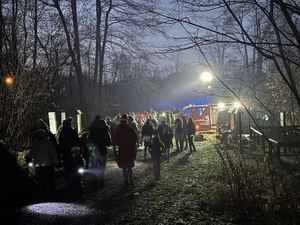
point(184, 133)
point(46, 153)
point(124, 134)
point(72, 152)
point(159, 140)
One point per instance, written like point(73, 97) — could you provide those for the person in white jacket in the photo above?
point(44, 156)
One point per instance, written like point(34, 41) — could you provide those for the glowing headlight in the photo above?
point(221, 105)
point(81, 170)
point(30, 164)
point(236, 105)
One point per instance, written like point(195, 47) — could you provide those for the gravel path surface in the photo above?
point(186, 194)
point(99, 205)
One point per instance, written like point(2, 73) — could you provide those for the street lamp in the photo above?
point(207, 77)
point(8, 80)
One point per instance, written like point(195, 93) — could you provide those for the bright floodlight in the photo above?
point(236, 105)
point(206, 76)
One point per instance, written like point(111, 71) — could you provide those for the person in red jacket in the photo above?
point(126, 139)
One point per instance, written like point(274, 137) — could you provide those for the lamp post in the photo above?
point(207, 77)
point(8, 81)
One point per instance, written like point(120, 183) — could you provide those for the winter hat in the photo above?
point(124, 117)
point(42, 125)
point(68, 122)
point(75, 150)
point(40, 133)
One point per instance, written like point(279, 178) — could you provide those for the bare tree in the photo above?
point(267, 29)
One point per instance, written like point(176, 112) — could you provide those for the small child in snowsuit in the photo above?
point(155, 149)
point(75, 163)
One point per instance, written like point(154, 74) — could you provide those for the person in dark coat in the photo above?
point(184, 131)
point(132, 123)
point(147, 132)
point(191, 130)
point(126, 139)
point(112, 126)
point(178, 127)
point(94, 122)
point(155, 149)
point(83, 141)
point(67, 139)
point(16, 187)
point(100, 138)
point(166, 137)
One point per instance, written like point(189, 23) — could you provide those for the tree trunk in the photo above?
point(75, 54)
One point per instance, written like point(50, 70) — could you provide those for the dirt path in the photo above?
point(180, 197)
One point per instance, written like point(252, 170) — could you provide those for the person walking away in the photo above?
point(101, 139)
point(67, 139)
point(132, 123)
point(44, 156)
point(191, 130)
point(126, 139)
point(184, 131)
point(112, 126)
point(94, 122)
point(155, 149)
point(139, 131)
point(178, 134)
point(83, 142)
point(167, 138)
point(147, 132)
point(160, 128)
point(117, 119)
point(75, 163)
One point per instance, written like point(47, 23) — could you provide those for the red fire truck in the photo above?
point(210, 117)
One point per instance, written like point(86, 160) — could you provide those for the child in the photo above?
point(166, 138)
point(83, 141)
point(75, 163)
point(155, 149)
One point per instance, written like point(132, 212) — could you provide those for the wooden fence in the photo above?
point(278, 141)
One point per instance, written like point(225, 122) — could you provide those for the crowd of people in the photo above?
point(88, 150)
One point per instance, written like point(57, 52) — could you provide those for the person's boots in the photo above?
point(131, 182)
point(126, 184)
